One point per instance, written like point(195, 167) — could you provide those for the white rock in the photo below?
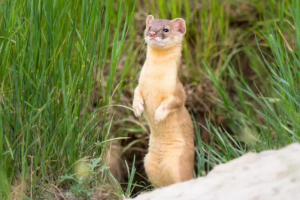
point(269, 175)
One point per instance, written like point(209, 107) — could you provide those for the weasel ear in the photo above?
point(149, 20)
point(180, 26)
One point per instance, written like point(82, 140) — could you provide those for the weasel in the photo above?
point(160, 95)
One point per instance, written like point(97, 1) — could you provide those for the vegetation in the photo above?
point(68, 70)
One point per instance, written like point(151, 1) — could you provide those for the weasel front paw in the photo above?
point(138, 106)
point(160, 114)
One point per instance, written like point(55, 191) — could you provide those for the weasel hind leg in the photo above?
point(171, 170)
point(176, 168)
point(152, 170)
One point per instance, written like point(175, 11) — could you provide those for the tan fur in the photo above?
point(161, 95)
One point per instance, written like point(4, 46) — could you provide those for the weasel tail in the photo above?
point(161, 97)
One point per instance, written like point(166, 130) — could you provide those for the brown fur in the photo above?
point(161, 95)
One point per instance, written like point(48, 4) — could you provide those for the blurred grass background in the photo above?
point(69, 68)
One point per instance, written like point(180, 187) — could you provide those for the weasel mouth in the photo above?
point(156, 41)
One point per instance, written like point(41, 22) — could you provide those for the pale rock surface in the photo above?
point(269, 175)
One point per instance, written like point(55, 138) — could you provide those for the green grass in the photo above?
point(50, 52)
point(68, 69)
point(265, 116)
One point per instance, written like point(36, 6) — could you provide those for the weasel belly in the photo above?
point(157, 85)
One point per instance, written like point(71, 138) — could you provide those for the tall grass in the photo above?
point(265, 116)
point(50, 52)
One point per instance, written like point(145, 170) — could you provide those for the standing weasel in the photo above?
point(161, 95)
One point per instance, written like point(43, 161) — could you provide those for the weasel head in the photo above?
point(162, 33)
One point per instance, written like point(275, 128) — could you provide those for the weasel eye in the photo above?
point(165, 30)
point(149, 27)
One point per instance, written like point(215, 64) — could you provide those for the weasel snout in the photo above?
point(152, 34)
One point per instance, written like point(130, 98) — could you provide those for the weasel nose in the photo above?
point(152, 34)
